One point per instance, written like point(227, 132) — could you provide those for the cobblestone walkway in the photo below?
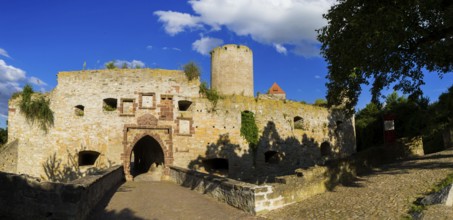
point(164, 200)
point(385, 193)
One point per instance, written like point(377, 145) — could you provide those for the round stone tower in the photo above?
point(232, 70)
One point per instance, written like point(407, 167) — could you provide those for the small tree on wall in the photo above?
point(191, 70)
point(36, 109)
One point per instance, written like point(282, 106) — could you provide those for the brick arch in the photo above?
point(168, 155)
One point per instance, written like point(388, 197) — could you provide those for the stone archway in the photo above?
point(147, 146)
point(146, 156)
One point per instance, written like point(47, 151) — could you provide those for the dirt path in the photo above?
point(386, 193)
point(164, 200)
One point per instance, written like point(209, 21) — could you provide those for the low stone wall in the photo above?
point(255, 199)
point(304, 183)
point(235, 193)
point(8, 157)
point(23, 197)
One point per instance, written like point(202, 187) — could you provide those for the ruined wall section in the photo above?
point(232, 70)
point(96, 129)
point(217, 135)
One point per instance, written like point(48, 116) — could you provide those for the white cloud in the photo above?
point(175, 22)
point(149, 47)
point(204, 45)
point(129, 64)
point(10, 73)
point(4, 53)
point(11, 81)
point(272, 22)
point(173, 48)
point(280, 48)
point(36, 81)
point(317, 77)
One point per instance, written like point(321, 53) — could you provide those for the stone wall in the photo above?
point(235, 193)
point(23, 197)
point(8, 157)
point(255, 199)
point(149, 102)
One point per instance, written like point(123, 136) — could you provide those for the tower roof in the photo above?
point(275, 89)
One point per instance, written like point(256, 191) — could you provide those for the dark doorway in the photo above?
point(326, 150)
point(146, 155)
point(216, 165)
point(271, 157)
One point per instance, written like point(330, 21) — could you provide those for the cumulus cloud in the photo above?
point(10, 73)
point(129, 64)
point(11, 80)
point(280, 48)
point(4, 53)
point(204, 45)
point(272, 22)
point(176, 22)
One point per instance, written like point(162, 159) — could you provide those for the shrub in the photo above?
point(36, 109)
point(191, 70)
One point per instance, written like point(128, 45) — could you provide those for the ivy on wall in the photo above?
point(211, 94)
point(36, 109)
point(249, 130)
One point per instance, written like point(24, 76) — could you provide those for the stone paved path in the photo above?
point(164, 200)
point(385, 193)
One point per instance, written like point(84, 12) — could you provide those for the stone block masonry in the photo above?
point(23, 197)
point(8, 157)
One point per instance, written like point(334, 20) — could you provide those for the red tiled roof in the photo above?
point(275, 89)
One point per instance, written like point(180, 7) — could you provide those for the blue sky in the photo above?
point(38, 39)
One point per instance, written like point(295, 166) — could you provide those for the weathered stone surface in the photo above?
point(437, 197)
point(8, 157)
point(24, 197)
point(148, 104)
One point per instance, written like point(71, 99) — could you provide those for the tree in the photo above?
point(191, 70)
point(110, 65)
point(3, 136)
point(320, 102)
point(389, 42)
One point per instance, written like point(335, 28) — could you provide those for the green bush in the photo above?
point(36, 109)
point(192, 71)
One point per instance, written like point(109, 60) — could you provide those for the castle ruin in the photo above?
point(150, 119)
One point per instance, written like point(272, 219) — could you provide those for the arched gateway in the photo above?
point(147, 147)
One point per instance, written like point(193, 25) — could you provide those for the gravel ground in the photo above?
point(385, 193)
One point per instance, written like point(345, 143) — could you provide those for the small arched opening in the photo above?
point(298, 122)
point(87, 157)
point(110, 104)
point(184, 105)
point(216, 165)
point(271, 157)
point(79, 110)
point(326, 149)
point(146, 156)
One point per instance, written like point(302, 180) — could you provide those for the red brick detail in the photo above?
point(275, 89)
point(12, 110)
point(140, 100)
point(166, 107)
point(148, 130)
point(192, 129)
point(122, 113)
